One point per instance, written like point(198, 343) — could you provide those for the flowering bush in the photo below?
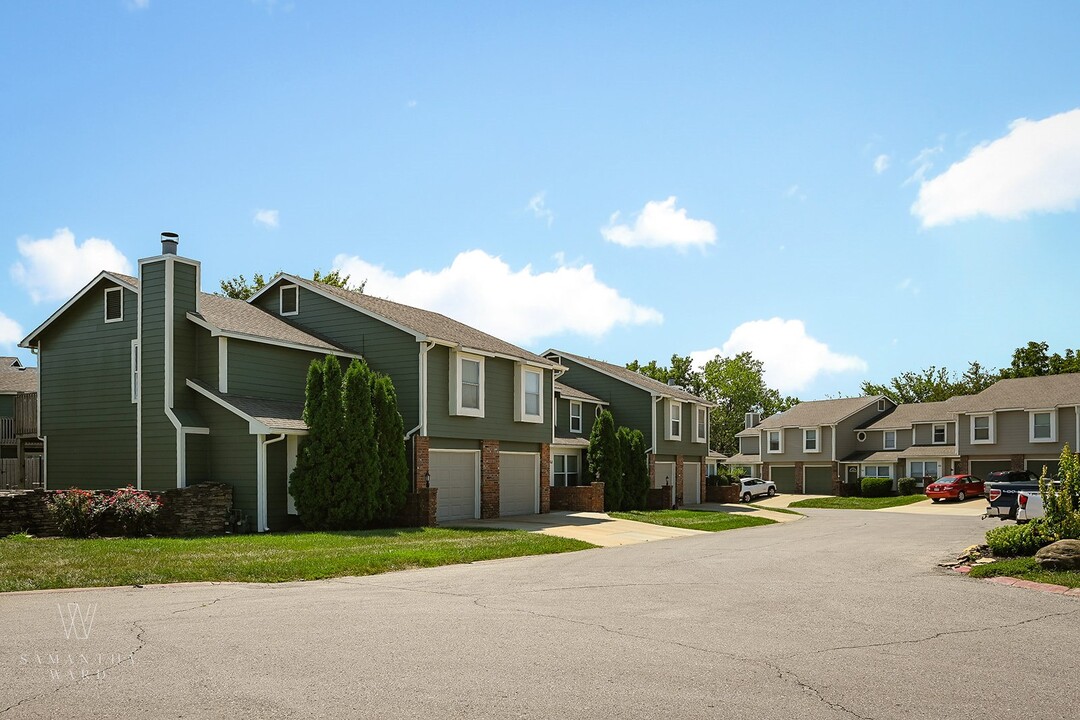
point(77, 512)
point(134, 510)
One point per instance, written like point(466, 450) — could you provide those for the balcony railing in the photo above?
point(26, 414)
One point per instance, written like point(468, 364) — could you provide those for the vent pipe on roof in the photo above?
point(169, 242)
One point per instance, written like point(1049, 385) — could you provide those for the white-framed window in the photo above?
point(1042, 425)
point(674, 424)
point(530, 394)
point(810, 440)
point(565, 471)
point(466, 384)
point(923, 469)
point(774, 441)
point(982, 428)
point(134, 371)
point(889, 440)
point(881, 405)
point(939, 434)
point(860, 436)
point(701, 424)
point(114, 304)
point(289, 299)
point(575, 416)
point(878, 471)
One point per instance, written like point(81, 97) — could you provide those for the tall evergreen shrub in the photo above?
point(605, 461)
point(309, 483)
point(390, 438)
point(357, 493)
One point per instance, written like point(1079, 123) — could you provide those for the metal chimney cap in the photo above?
point(169, 243)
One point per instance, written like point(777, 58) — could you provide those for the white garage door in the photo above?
point(519, 483)
point(691, 486)
point(456, 475)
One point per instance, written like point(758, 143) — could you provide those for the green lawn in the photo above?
point(693, 519)
point(858, 503)
point(37, 563)
point(1026, 569)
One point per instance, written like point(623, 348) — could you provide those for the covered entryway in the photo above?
point(691, 484)
point(519, 483)
point(664, 474)
point(784, 477)
point(817, 481)
point(982, 468)
point(456, 475)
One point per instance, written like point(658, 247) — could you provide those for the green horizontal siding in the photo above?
point(562, 419)
point(269, 371)
point(629, 405)
point(685, 445)
point(385, 348)
point(231, 455)
point(206, 351)
point(158, 433)
point(498, 422)
point(86, 411)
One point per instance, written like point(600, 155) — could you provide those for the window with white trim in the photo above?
point(881, 405)
point(564, 471)
point(289, 299)
point(466, 384)
point(889, 440)
point(810, 440)
point(114, 304)
point(530, 394)
point(982, 428)
point(923, 469)
point(701, 424)
point(134, 371)
point(1042, 425)
point(877, 471)
point(939, 434)
point(775, 441)
point(674, 420)
point(575, 416)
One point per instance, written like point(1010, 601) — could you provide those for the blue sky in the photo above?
point(849, 190)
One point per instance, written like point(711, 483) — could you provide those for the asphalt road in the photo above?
point(842, 615)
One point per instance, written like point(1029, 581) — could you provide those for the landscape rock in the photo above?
point(1062, 555)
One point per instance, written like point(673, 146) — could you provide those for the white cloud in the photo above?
point(266, 218)
point(540, 210)
point(483, 291)
point(56, 268)
point(659, 224)
point(923, 163)
point(1034, 168)
point(792, 358)
point(138, 4)
point(881, 163)
point(795, 192)
point(410, 104)
point(10, 331)
point(909, 285)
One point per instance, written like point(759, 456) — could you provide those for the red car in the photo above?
point(954, 487)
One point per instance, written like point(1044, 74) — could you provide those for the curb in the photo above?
point(1026, 584)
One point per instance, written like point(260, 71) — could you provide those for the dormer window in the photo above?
point(114, 304)
point(289, 299)
point(530, 394)
point(575, 416)
point(466, 384)
point(881, 405)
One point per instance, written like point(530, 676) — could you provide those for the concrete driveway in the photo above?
point(842, 615)
point(972, 507)
point(596, 528)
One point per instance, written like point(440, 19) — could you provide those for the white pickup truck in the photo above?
point(1029, 505)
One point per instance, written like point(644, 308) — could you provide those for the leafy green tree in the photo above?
point(681, 371)
point(1035, 360)
point(605, 461)
point(933, 384)
point(357, 497)
point(393, 461)
point(239, 288)
point(635, 467)
point(310, 482)
point(1061, 504)
point(737, 386)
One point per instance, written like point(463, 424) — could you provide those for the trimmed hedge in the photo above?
point(1019, 540)
point(906, 486)
point(876, 487)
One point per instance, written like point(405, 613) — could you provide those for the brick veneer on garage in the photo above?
point(421, 460)
point(679, 466)
point(545, 478)
point(489, 479)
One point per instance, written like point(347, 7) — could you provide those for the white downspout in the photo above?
point(262, 473)
point(422, 425)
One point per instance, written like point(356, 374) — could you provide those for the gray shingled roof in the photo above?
point(904, 416)
point(742, 459)
point(275, 414)
point(1027, 393)
point(14, 378)
point(425, 322)
point(634, 378)
point(873, 456)
point(574, 394)
point(930, 451)
point(812, 414)
point(237, 316)
point(571, 442)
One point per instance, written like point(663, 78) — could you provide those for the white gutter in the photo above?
point(656, 399)
point(422, 372)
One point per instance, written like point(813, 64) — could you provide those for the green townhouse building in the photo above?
point(675, 423)
point(149, 381)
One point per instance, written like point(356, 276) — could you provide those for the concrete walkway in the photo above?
point(740, 509)
point(596, 528)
